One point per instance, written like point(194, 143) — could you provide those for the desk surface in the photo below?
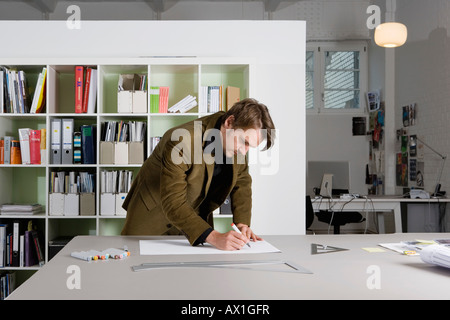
point(384, 198)
point(337, 275)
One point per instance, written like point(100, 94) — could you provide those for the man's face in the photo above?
point(238, 141)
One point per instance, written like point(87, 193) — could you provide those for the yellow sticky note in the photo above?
point(373, 250)
point(425, 241)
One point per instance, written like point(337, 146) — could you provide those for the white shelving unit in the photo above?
point(264, 58)
point(30, 183)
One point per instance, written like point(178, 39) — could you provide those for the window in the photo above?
point(309, 79)
point(336, 77)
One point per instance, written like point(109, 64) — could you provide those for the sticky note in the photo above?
point(373, 250)
point(426, 241)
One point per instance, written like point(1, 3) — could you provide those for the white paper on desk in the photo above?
point(436, 254)
point(176, 246)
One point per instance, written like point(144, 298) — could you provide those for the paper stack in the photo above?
point(21, 209)
point(436, 254)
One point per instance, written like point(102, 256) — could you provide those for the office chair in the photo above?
point(338, 219)
point(309, 212)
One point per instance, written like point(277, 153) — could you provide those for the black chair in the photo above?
point(338, 218)
point(309, 212)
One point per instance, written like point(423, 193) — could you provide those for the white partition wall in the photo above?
point(273, 50)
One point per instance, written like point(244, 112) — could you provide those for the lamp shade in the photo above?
point(391, 34)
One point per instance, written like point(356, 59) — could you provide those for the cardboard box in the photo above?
point(106, 152)
point(87, 204)
point(124, 101)
point(136, 152)
point(71, 204)
point(130, 99)
point(120, 198)
point(120, 153)
point(107, 204)
point(56, 204)
point(139, 101)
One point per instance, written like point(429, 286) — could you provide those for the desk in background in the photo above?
point(376, 204)
point(338, 275)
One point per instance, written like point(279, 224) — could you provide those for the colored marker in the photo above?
point(237, 230)
point(81, 256)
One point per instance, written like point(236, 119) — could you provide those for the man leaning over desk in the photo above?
point(192, 170)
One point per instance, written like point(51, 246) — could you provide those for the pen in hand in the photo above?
point(237, 230)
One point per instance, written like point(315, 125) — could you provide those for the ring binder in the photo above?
point(56, 141)
point(67, 141)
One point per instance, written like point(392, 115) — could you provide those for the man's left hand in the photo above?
point(247, 231)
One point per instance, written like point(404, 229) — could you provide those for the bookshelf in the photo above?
point(30, 183)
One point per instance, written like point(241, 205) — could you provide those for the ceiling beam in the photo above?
point(160, 5)
point(271, 5)
point(44, 6)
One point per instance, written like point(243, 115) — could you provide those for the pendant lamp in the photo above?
point(391, 34)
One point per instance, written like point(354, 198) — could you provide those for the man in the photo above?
point(192, 170)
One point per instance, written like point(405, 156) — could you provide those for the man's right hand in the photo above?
point(230, 240)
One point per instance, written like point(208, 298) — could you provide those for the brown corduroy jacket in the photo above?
point(168, 194)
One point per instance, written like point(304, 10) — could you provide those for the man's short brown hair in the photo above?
point(251, 114)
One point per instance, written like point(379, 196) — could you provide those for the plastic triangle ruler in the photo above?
point(320, 248)
point(292, 267)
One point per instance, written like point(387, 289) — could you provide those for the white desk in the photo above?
point(337, 275)
point(375, 204)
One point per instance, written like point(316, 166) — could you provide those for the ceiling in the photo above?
point(158, 6)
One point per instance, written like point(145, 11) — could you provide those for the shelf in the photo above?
point(15, 116)
point(23, 216)
point(19, 178)
point(35, 268)
point(163, 121)
point(235, 75)
point(111, 217)
point(182, 80)
point(123, 115)
point(30, 183)
point(22, 165)
point(70, 217)
point(75, 166)
point(73, 115)
point(156, 115)
point(108, 79)
point(118, 166)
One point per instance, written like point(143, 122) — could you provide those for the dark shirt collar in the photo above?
point(211, 139)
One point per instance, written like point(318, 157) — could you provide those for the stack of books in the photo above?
point(20, 245)
point(121, 131)
point(29, 149)
point(159, 99)
point(7, 284)
point(38, 102)
point(72, 182)
point(212, 98)
point(184, 105)
point(14, 92)
point(85, 89)
point(21, 209)
point(116, 181)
